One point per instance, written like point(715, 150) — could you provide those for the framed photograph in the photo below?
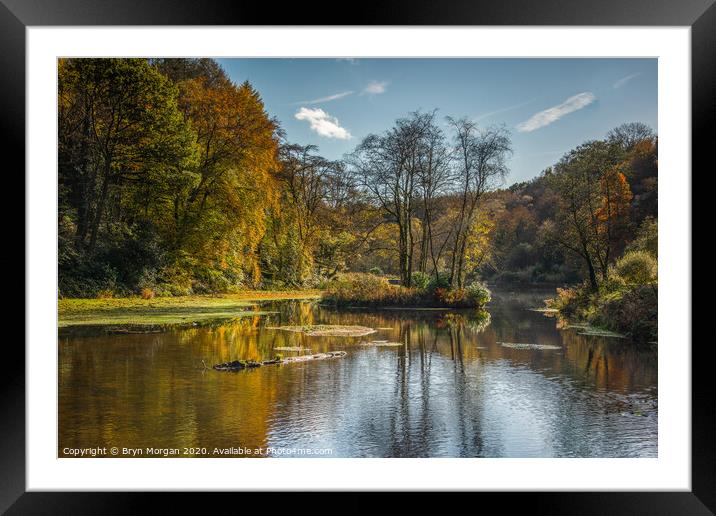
point(420, 252)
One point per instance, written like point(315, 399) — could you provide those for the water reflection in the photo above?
point(450, 390)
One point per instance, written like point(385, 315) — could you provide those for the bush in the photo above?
point(647, 237)
point(627, 308)
point(442, 281)
point(147, 293)
point(636, 268)
point(87, 278)
point(575, 303)
point(635, 314)
point(376, 271)
point(356, 287)
point(455, 297)
point(478, 294)
point(420, 280)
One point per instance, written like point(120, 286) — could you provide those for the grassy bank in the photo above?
point(625, 302)
point(161, 311)
point(631, 312)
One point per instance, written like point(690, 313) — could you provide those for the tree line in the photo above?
point(175, 180)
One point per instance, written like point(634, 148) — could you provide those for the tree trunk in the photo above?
point(99, 208)
point(592, 273)
point(83, 187)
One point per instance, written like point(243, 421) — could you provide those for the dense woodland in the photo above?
point(173, 180)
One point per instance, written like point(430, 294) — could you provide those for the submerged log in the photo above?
point(239, 365)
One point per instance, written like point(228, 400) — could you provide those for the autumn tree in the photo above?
point(594, 200)
point(118, 125)
point(219, 213)
point(311, 188)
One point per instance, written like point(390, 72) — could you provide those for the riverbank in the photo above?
point(630, 312)
point(190, 310)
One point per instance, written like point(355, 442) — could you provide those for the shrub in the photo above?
point(441, 281)
point(627, 308)
point(455, 297)
point(575, 302)
point(420, 280)
point(635, 314)
point(377, 271)
point(478, 294)
point(636, 268)
point(147, 293)
point(356, 287)
point(647, 237)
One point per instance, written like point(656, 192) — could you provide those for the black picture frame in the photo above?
point(17, 15)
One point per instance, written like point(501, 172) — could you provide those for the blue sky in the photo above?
point(549, 105)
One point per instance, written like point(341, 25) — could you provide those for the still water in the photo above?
point(451, 390)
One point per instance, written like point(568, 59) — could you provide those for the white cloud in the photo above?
point(322, 123)
point(375, 88)
point(621, 82)
point(551, 115)
point(329, 98)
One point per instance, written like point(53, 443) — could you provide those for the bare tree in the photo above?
point(628, 135)
point(434, 174)
point(387, 167)
point(480, 160)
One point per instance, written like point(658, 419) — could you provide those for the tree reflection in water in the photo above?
point(450, 390)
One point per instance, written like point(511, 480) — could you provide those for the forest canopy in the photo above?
point(175, 180)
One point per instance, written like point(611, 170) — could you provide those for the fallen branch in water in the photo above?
point(239, 365)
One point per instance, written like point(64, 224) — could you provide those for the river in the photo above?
point(456, 387)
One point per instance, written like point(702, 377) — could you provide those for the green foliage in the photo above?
point(420, 280)
point(647, 237)
point(442, 280)
point(635, 313)
point(626, 302)
point(636, 268)
point(376, 270)
point(478, 293)
point(574, 303)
